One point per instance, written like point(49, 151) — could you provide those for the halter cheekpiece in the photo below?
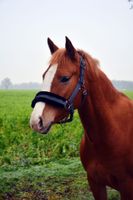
point(61, 102)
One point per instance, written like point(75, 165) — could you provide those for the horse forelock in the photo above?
point(58, 56)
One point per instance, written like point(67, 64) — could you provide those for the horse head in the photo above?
point(62, 88)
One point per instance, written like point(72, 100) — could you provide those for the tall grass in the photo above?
point(19, 145)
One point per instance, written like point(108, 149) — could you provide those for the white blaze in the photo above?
point(48, 79)
point(47, 83)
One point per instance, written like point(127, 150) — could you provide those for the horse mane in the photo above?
point(93, 65)
point(97, 76)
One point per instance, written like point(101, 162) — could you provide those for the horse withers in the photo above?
point(73, 80)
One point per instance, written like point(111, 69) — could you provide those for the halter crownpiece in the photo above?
point(61, 102)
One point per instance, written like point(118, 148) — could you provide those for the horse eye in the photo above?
point(64, 79)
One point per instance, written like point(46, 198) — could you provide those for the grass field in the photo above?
point(34, 166)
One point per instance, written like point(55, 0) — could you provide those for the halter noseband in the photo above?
point(61, 102)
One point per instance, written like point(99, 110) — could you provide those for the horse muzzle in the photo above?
point(56, 101)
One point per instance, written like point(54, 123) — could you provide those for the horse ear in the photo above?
point(70, 49)
point(52, 46)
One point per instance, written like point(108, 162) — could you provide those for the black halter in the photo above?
point(61, 102)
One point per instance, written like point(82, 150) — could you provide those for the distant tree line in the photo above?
point(123, 85)
point(7, 84)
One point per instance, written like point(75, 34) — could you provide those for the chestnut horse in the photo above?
point(74, 80)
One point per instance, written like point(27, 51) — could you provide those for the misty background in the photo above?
point(102, 28)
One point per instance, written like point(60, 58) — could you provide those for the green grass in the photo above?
point(34, 166)
point(129, 94)
point(59, 179)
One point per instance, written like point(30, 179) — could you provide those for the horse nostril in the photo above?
point(40, 122)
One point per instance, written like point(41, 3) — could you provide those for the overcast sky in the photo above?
point(102, 28)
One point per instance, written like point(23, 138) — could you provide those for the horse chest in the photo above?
point(102, 172)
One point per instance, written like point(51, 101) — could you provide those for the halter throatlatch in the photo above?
point(61, 102)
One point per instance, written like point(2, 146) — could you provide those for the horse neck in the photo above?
point(96, 113)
